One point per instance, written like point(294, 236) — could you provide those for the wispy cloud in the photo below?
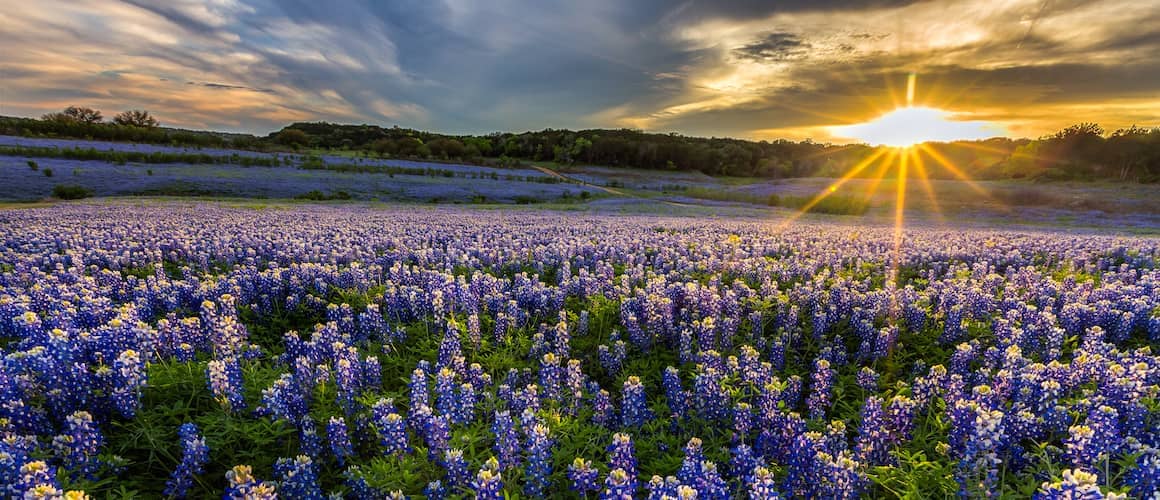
point(740, 67)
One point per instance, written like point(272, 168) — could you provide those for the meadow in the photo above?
point(212, 350)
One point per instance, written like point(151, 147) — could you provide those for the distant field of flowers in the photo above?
point(203, 351)
point(30, 169)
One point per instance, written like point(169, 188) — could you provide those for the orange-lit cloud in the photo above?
point(758, 69)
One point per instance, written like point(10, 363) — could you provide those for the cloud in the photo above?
point(741, 67)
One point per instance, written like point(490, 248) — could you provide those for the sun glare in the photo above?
point(908, 126)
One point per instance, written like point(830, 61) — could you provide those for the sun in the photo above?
point(907, 126)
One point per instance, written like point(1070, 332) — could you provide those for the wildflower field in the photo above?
point(200, 350)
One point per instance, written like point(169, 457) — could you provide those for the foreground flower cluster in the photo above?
point(200, 350)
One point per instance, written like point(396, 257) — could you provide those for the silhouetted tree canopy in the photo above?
point(135, 118)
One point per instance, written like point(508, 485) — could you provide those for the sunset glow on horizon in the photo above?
point(827, 71)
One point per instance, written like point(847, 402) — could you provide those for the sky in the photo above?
point(755, 69)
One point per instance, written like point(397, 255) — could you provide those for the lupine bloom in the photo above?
point(583, 476)
point(763, 485)
point(622, 456)
point(243, 486)
point(602, 411)
point(35, 476)
point(634, 411)
point(194, 456)
point(456, 466)
point(445, 396)
point(225, 383)
point(488, 483)
point(393, 434)
point(437, 435)
point(676, 395)
point(434, 491)
point(339, 439)
point(539, 462)
point(130, 379)
point(868, 379)
point(1076, 484)
point(821, 391)
point(309, 443)
point(81, 444)
point(550, 376)
point(618, 486)
point(507, 441)
point(298, 478)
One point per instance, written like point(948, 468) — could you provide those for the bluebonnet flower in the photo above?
point(742, 463)
point(225, 383)
point(618, 486)
point(1144, 477)
point(821, 391)
point(634, 410)
point(977, 435)
point(130, 379)
point(372, 373)
point(507, 443)
point(445, 394)
point(868, 380)
point(36, 478)
point(284, 399)
point(674, 392)
point(457, 474)
point(309, 443)
point(298, 478)
point(81, 444)
point(488, 483)
point(709, 396)
point(464, 411)
point(437, 435)
point(392, 433)
point(339, 439)
point(449, 348)
point(583, 476)
point(622, 456)
point(243, 486)
point(194, 456)
point(1076, 484)
point(602, 411)
point(434, 491)
point(663, 488)
point(420, 395)
point(539, 461)
point(763, 485)
point(551, 376)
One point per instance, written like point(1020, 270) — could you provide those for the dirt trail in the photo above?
point(608, 190)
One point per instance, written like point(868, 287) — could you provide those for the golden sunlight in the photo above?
point(912, 125)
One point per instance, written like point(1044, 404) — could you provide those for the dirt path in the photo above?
point(606, 189)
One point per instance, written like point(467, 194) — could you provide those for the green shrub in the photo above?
point(48, 172)
point(71, 192)
point(33, 165)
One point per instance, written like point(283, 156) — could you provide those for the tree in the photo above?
point(293, 137)
point(83, 114)
point(136, 118)
point(75, 114)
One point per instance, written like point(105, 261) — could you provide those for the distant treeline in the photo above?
point(1080, 152)
point(123, 157)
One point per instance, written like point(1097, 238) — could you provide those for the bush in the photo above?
point(316, 195)
point(71, 192)
point(33, 165)
point(48, 172)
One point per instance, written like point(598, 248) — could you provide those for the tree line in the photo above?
point(1081, 152)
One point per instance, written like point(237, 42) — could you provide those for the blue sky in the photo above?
point(752, 69)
